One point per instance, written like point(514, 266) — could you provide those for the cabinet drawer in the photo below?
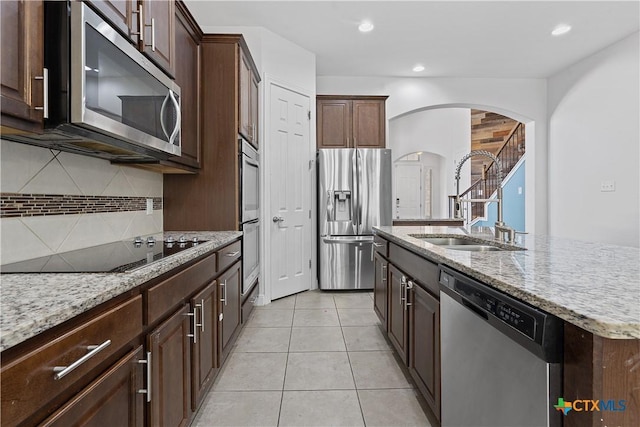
point(248, 304)
point(417, 267)
point(28, 383)
point(168, 294)
point(228, 255)
point(381, 246)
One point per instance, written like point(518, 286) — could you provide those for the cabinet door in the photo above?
point(397, 311)
point(111, 400)
point(333, 123)
point(254, 110)
point(159, 33)
point(187, 70)
point(171, 371)
point(205, 345)
point(244, 95)
point(22, 62)
point(119, 13)
point(368, 123)
point(380, 291)
point(424, 344)
point(229, 290)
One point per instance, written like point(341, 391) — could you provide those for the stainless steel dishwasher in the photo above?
point(501, 358)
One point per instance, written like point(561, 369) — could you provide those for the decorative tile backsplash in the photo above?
point(54, 202)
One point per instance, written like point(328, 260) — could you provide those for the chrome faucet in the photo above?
point(500, 227)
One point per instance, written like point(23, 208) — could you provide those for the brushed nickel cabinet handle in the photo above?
point(141, 25)
point(45, 93)
point(147, 390)
point(232, 254)
point(62, 371)
point(194, 319)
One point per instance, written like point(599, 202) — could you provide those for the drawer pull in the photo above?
point(62, 371)
point(378, 245)
point(232, 254)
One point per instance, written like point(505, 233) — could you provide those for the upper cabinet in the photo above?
point(350, 121)
point(158, 40)
point(187, 73)
point(21, 71)
point(248, 104)
point(149, 24)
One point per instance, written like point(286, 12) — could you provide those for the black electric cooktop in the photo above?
point(116, 257)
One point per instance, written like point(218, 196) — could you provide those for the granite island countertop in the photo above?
point(592, 285)
point(33, 303)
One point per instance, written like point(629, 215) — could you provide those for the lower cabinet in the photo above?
point(404, 291)
point(397, 312)
point(380, 291)
point(229, 314)
point(205, 354)
point(169, 349)
point(424, 345)
point(111, 400)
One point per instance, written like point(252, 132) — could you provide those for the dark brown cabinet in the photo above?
point(412, 313)
point(187, 74)
point(380, 288)
point(351, 121)
point(248, 100)
point(21, 70)
point(229, 315)
point(424, 345)
point(170, 350)
point(159, 32)
point(205, 346)
point(111, 400)
point(397, 312)
point(210, 200)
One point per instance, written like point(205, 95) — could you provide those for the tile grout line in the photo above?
point(286, 362)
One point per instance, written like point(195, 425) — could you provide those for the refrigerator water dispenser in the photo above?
point(342, 206)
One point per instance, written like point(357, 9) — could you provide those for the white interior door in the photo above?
point(408, 191)
point(290, 201)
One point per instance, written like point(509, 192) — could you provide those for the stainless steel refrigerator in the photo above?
point(354, 194)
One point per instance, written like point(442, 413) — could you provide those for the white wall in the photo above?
point(594, 136)
point(444, 132)
point(521, 99)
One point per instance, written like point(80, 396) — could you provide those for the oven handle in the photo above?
point(250, 161)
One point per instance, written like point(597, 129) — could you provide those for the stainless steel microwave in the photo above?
point(105, 98)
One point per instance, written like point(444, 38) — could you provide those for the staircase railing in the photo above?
point(509, 153)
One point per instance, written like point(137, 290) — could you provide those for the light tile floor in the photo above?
point(312, 359)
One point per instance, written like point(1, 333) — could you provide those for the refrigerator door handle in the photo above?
point(355, 239)
point(354, 183)
point(359, 165)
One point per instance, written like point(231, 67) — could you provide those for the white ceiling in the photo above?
point(450, 38)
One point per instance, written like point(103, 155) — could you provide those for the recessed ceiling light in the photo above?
point(418, 68)
point(365, 26)
point(561, 29)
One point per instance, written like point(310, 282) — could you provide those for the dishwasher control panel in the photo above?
point(516, 317)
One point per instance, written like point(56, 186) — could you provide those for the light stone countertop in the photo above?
point(592, 285)
point(33, 303)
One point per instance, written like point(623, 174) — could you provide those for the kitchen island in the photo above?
point(594, 288)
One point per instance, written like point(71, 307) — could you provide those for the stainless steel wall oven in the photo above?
point(249, 213)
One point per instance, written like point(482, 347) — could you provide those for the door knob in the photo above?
point(278, 219)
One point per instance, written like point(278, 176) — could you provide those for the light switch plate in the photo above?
point(607, 186)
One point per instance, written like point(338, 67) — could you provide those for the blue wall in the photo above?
point(513, 203)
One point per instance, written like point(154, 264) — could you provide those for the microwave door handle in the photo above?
point(176, 129)
point(162, 124)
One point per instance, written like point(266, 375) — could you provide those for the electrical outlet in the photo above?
point(519, 190)
point(607, 186)
point(149, 206)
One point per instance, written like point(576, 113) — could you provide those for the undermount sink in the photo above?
point(463, 244)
